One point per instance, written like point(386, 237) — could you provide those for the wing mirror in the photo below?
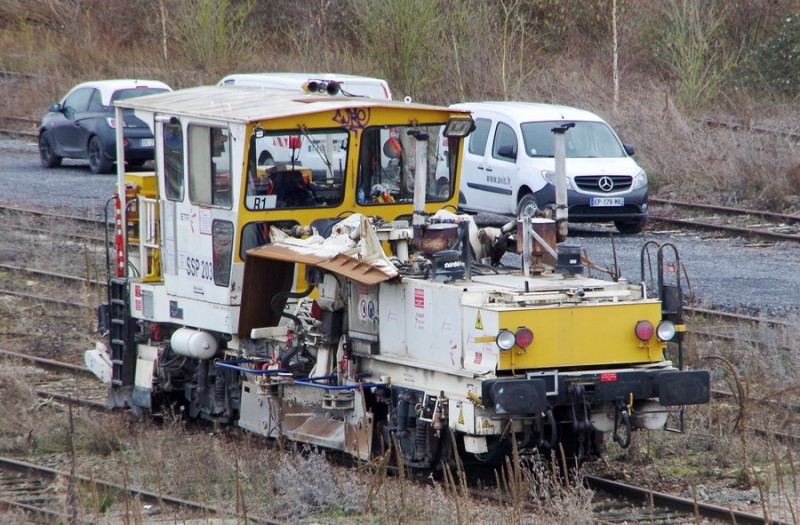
point(629, 149)
point(507, 152)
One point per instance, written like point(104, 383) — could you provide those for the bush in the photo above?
point(777, 61)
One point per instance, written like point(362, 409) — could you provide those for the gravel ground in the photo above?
point(727, 273)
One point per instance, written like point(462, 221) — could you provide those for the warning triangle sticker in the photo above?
point(478, 322)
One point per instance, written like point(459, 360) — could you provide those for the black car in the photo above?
point(83, 125)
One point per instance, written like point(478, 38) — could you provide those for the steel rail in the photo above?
point(17, 133)
point(676, 502)
point(30, 468)
point(42, 299)
point(45, 273)
point(728, 209)
point(746, 232)
point(74, 236)
point(57, 216)
point(9, 504)
point(70, 400)
point(737, 317)
point(47, 363)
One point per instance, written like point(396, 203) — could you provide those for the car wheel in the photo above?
point(527, 206)
point(98, 162)
point(47, 154)
point(631, 227)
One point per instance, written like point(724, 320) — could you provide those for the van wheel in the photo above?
point(527, 206)
point(631, 227)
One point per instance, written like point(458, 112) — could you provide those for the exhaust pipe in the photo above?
point(562, 223)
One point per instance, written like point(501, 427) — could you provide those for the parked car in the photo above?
point(331, 83)
point(82, 125)
point(509, 166)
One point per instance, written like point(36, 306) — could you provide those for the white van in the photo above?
point(331, 83)
point(509, 167)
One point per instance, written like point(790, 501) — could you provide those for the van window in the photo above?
point(585, 140)
point(505, 143)
point(479, 137)
point(209, 166)
point(296, 169)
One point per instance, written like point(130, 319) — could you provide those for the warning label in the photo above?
point(478, 322)
point(419, 298)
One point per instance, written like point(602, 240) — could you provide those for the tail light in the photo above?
point(524, 337)
point(644, 330)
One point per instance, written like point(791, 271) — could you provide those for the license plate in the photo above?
point(147, 143)
point(607, 201)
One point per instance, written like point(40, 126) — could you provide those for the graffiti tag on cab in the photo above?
point(352, 118)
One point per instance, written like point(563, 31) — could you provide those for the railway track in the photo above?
point(40, 490)
point(19, 127)
point(757, 224)
point(659, 507)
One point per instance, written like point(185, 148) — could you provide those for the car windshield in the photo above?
point(585, 140)
point(122, 94)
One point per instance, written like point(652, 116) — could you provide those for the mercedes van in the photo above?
point(330, 83)
point(509, 166)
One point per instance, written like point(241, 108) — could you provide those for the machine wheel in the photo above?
point(98, 162)
point(631, 227)
point(47, 155)
point(527, 205)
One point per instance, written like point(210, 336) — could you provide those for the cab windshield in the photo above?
point(388, 162)
point(296, 169)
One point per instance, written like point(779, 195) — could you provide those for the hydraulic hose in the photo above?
point(275, 304)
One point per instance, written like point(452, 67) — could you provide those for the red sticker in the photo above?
point(419, 298)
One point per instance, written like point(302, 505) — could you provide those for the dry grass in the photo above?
point(242, 475)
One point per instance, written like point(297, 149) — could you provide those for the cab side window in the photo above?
point(505, 143)
point(222, 240)
point(479, 137)
point(173, 160)
point(209, 166)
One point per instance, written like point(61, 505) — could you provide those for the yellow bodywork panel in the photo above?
point(581, 335)
point(143, 183)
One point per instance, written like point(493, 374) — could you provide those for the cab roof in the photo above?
point(247, 104)
point(531, 111)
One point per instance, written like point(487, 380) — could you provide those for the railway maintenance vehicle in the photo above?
point(327, 292)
